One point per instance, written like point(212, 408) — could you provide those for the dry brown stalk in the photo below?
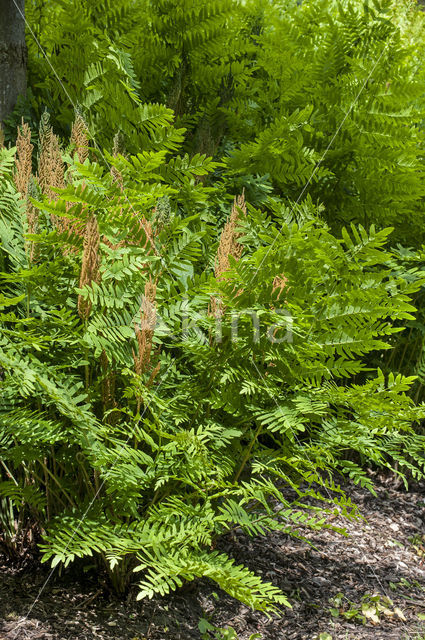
point(79, 139)
point(23, 160)
point(229, 245)
point(90, 263)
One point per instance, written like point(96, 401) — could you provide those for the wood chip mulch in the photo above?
point(367, 586)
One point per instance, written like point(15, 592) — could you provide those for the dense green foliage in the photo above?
point(142, 443)
point(263, 85)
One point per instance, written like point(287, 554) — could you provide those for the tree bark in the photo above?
point(13, 55)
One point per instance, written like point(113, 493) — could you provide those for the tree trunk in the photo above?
point(13, 55)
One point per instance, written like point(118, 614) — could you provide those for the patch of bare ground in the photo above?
point(367, 586)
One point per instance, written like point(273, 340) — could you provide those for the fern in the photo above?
point(152, 400)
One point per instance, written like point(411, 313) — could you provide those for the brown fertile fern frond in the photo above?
point(51, 169)
point(24, 181)
point(145, 330)
point(144, 336)
point(79, 139)
point(23, 160)
point(90, 264)
point(279, 284)
point(229, 245)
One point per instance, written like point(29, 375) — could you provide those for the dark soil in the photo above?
point(382, 556)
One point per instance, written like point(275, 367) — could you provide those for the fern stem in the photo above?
point(9, 473)
point(52, 492)
point(46, 484)
point(47, 472)
point(96, 476)
point(248, 453)
point(87, 376)
point(405, 349)
point(85, 475)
